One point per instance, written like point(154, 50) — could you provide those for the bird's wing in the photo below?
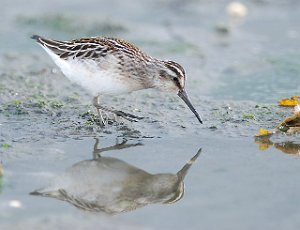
point(89, 48)
point(85, 48)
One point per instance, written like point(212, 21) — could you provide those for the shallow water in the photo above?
point(237, 70)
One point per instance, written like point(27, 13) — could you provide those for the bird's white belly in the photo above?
point(95, 80)
point(99, 78)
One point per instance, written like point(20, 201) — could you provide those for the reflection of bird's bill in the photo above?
point(181, 174)
point(183, 95)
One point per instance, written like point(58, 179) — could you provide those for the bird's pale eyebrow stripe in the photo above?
point(175, 69)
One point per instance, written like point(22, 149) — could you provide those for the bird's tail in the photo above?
point(46, 42)
point(49, 44)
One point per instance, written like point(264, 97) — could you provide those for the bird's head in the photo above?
point(172, 77)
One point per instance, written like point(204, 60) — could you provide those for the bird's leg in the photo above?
point(96, 152)
point(98, 107)
point(118, 146)
point(126, 116)
point(117, 119)
point(106, 117)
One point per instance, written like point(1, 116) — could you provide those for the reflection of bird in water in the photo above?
point(110, 185)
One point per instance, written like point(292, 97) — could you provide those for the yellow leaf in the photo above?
point(293, 101)
point(263, 133)
point(263, 147)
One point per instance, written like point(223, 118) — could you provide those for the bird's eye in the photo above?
point(176, 80)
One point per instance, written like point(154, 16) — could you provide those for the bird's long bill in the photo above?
point(183, 95)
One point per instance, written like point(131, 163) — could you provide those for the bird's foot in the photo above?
point(128, 116)
point(118, 113)
point(104, 119)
